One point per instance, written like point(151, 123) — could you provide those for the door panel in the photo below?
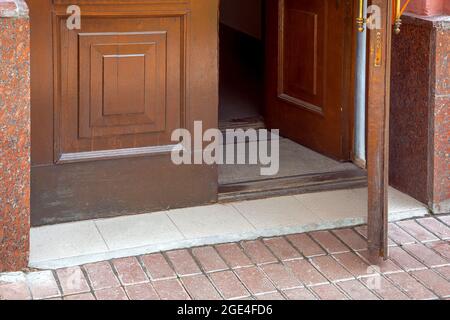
point(127, 74)
point(115, 91)
point(307, 80)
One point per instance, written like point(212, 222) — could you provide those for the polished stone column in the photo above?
point(14, 135)
point(420, 110)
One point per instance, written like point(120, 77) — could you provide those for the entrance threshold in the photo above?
point(78, 243)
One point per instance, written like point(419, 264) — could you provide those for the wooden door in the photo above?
point(309, 73)
point(106, 99)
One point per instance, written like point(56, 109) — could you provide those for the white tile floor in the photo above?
point(83, 242)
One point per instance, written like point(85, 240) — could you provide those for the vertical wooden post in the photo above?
point(379, 66)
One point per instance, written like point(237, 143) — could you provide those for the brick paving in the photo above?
point(328, 265)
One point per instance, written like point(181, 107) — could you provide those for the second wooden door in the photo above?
point(309, 73)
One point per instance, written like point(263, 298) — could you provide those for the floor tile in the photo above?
point(434, 282)
point(210, 221)
point(356, 290)
point(335, 205)
point(354, 264)
point(351, 239)
point(444, 272)
point(306, 272)
point(234, 255)
point(282, 249)
point(43, 285)
point(400, 202)
point(200, 288)
point(411, 286)
point(129, 271)
point(362, 231)
point(143, 291)
point(277, 213)
point(441, 247)
point(384, 266)
point(436, 227)
point(64, 241)
point(255, 280)
point(72, 281)
point(329, 242)
point(417, 231)
point(385, 289)
point(101, 276)
point(14, 287)
point(299, 294)
point(183, 263)
point(331, 269)
point(81, 297)
point(258, 252)
point(328, 292)
point(425, 255)
point(157, 267)
point(405, 260)
point(111, 294)
point(274, 296)
point(170, 289)
point(138, 231)
point(445, 219)
point(229, 285)
point(209, 259)
point(281, 276)
point(308, 247)
point(400, 236)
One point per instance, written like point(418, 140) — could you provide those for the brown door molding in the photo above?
point(379, 67)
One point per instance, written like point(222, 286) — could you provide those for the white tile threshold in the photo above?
point(78, 243)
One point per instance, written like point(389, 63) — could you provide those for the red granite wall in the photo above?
point(420, 127)
point(440, 118)
point(14, 135)
point(428, 7)
point(409, 110)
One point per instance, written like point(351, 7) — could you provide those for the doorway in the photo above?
point(287, 65)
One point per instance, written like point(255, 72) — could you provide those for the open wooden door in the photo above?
point(309, 73)
point(106, 99)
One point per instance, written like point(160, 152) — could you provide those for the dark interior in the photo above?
point(241, 64)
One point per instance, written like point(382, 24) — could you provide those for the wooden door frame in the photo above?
point(379, 66)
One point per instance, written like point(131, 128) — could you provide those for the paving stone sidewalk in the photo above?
point(328, 265)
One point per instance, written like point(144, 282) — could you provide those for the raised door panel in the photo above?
point(301, 47)
point(121, 84)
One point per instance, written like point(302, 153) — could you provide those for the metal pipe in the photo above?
point(360, 93)
point(360, 20)
point(398, 16)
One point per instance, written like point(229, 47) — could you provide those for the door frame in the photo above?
point(378, 104)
